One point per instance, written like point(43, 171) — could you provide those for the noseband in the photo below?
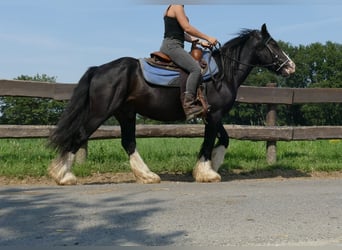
point(276, 60)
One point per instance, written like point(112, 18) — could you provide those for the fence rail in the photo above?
point(246, 94)
point(258, 95)
point(240, 132)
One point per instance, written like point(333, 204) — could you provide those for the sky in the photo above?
point(62, 38)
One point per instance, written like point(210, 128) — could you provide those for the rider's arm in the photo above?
point(179, 13)
point(190, 38)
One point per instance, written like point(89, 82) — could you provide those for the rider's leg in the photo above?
point(174, 49)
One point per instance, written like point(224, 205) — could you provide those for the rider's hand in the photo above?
point(205, 44)
point(212, 40)
point(195, 41)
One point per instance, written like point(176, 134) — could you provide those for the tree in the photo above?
point(322, 114)
point(31, 111)
point(319, 66)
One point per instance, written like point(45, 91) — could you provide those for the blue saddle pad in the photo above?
point(166, 77)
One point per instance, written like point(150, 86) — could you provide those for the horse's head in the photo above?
point(271, 56)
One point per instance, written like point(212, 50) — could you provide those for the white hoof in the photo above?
point(60, 170)
point(217, 157)
point(68, 179)
point(144, 177)
point(203, 172)
point(140, 170)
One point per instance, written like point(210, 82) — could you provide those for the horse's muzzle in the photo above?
point(288, 69)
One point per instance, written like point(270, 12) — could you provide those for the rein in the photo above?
point(220, 78)
point(274, 55)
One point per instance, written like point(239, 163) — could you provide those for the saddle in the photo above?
point(162, 60)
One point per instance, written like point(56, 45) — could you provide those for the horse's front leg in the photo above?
point(218, 153)
point(203, 171)
point(140, 170)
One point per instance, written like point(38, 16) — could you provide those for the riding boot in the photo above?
point(191, 110)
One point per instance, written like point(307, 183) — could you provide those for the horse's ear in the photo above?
point(264, 30)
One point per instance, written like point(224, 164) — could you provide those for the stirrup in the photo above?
point(202, 98)
point(191, 116)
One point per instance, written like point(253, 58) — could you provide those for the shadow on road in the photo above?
point(45, 216)
point(239, 175)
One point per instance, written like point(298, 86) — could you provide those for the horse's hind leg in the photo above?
point(140, 170)
point(60, 168)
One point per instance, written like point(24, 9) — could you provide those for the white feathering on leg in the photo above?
point(141, 171)
point(203, 172)
point(60, 170)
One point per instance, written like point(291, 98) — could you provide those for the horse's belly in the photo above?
point(162, 112)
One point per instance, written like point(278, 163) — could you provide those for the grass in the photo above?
point(30, 157)
point(304, 156)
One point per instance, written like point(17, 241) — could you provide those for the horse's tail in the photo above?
point(69, 135)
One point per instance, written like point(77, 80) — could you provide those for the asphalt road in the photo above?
point(291, 212)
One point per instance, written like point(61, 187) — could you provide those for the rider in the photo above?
point(177, 30)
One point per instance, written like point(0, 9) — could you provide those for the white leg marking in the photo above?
point(60, 170)
point(141, 171)
point(217, 157)
point(203, 172)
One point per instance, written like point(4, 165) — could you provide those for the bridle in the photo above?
point(275, 56)
point(276, 61)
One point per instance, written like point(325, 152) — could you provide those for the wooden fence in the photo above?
point(270, 133)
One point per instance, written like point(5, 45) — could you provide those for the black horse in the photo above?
point(118, 89)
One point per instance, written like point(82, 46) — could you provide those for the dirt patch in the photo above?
point(93, 179)
point(112, 178)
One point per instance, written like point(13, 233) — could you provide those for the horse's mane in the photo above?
point(232, 50)
point(240, 40)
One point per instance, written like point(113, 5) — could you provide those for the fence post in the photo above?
point(271, 117)
point(81, 154)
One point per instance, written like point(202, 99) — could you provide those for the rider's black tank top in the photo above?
point(173, 29)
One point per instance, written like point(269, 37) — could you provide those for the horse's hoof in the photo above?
point(147, 178)
point(203, 172)
point(140, 170)
point(68, 179)
point(60, 170)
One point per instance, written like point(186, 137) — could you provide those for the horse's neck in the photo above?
point(241, 74)
point(238, 74)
